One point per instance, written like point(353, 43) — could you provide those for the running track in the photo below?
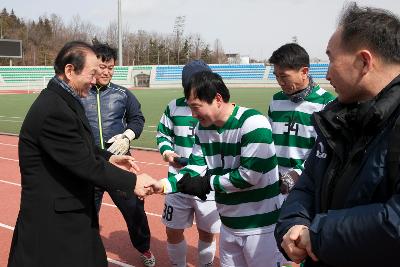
point(113, 229)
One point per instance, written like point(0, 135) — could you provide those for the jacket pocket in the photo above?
point(69, 204)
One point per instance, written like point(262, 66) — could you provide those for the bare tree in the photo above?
point(178, 31)
point(219, 54)
point(43, 38)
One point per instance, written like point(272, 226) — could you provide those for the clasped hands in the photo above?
point(145, 184)
point(297, 244)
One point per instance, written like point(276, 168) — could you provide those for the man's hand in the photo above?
point(124, 162)
point(143, 185)
point(304, 242)
point(290, 243)
point(197, 186)
point(120, 144)
point(157, 186)
point(169, 156)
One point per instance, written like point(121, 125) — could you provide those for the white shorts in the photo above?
point(249, 250)
point(179, 212)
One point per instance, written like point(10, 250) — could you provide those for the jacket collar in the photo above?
point(100, 88)
point(71, 101)
point(356, 118)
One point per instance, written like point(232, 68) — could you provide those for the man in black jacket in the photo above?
point(115, 117)
point(345, 209)
point(57, 223)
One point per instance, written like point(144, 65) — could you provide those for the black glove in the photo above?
point(198, 186)
point(181, 161)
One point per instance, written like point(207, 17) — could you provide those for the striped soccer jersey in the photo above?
point(292, 131)
point(175, 131)
point(240, 157)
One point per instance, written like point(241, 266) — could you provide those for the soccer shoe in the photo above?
point(148, 259)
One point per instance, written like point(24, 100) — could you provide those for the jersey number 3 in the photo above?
point(167, 213)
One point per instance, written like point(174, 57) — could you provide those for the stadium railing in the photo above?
point(161, 76)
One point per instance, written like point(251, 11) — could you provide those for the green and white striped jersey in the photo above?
point(292, 131)
point(175, 131)
point(240, 157)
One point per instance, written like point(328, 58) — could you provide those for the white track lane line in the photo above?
point(112, 205)
point(142, 162)
point(7, 182)
point(6, 226)
point(103, 203)
point(15, 160)
point(2, 225)
point(4, 144)
point(119, 263)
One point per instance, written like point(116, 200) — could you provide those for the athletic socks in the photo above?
point(206, 253)
point(177, 253)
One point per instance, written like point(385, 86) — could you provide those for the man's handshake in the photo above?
point(147, 185)
point(197, 186)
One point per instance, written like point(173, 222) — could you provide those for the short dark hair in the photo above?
point(105, 52)
point(74, 53)
point(205, 85)
point(373, 28)
point(291, 56)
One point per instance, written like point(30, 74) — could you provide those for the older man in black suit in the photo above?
point(57, 223)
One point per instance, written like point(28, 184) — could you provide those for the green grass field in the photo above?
point(13, 108)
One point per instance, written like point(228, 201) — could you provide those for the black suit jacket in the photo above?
point(57, 223)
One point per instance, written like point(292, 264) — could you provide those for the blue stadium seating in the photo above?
point(16, 75)
point(227, 71)
point(317, 71)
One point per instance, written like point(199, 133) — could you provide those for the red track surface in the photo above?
point(113, 228)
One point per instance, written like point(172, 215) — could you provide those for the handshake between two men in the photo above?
point(146, 185)
point(197, 186)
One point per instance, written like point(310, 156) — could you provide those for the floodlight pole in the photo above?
point(119, 34)
point(1, 28)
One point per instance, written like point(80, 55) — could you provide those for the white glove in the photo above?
point(121, 142)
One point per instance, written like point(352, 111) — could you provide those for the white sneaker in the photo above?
point(148, 259)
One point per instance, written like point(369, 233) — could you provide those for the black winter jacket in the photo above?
point(344, 194)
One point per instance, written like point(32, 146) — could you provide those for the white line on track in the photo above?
point(151, 163)
point(112, 205)
point(142, 162)
point(2, 225)
point(9, 159)
point(7, 182)
point(7, 226)
point(4, 144)
point(119, 263)
point(103, 203)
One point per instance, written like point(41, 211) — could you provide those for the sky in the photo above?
point(252, 28)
